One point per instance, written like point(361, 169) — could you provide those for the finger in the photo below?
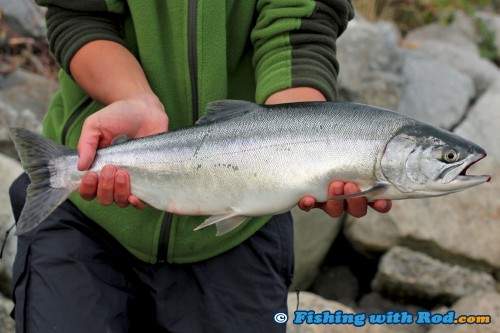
point(357, 207)
point(381, 206)
point(88, 186)
point(122, 188)
point(335, 208)
point(136, 202)
point(307, 203)
point(87, 145)
point(105, 187)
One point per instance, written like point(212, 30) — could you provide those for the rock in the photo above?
point(408, 274)
point(372, 235)
point(390, 31)
point(434, 92)
point(7, 324)
point(9, 117)
point(314, 234)
point(309, 301)
point(376, 303)
point(10, 169)
point(24, 17)
point(370, 66)
point(482, 72)
point(25, 90)
point(462, 31)
point(337, 283)
point(480, 304)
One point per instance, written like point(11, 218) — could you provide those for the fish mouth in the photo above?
point(463, 176)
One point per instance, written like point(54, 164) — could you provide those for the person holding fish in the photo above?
point(105, 261)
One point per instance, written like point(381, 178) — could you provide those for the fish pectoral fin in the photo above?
point(120, 139)
point(223, 223)
point(374, 190)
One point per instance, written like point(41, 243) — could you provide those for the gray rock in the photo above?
point(461, 31)
point(9, 170)
point(24, 17)
point(373, 234)
point(390, 31)
point(309, 301)
point(370, 66)
point(376, 303)
point(434, 91)
point(482, 72)
point(314, 234)
point(409, 274)
point(7, 324)
point(25, 90)
point(481, 304)
point(337, 283)
point(10, 117)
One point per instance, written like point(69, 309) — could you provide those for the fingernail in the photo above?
point(382, 205)
point(120, 179)
point(337, 190)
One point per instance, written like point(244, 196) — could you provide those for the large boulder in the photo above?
point(370, 66)
point(312, 302)
point(434, 91)
point(482, 72)
point(10, 169)
point(24, 17)
point(462, 31)
point(10, 117)
point(478, 306)
point(24, 90)
point(408, 274)
point(7, 324)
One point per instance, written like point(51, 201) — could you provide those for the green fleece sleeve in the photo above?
point(72, 24)
point(294, 43)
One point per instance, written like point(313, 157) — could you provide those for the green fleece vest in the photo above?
point(192, 52)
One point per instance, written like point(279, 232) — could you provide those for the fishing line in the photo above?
point(4, 242)
point(297, 291)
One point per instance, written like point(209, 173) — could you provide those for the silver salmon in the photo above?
point(242, 159)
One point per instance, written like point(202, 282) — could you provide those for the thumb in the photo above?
point(87, 147)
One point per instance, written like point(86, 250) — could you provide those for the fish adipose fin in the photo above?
point(374, 190)
point(35, 152)
point(226, 109)
point(223, 223)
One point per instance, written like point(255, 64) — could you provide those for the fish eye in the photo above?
point(450, 156)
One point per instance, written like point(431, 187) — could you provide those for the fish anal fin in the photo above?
point(378, 188)
point(224, 223)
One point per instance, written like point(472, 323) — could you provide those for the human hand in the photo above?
point(133, 118)
point(356, 207)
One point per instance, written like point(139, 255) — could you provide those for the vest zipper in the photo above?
point(164, 238)
point(73, 118)
point(193, 75)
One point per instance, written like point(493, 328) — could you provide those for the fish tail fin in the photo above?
point(36, 153)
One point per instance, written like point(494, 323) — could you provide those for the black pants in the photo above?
point(71, 276)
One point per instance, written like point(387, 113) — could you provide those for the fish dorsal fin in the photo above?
point(226, 109)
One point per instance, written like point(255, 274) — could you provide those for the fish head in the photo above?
point(425, 161)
